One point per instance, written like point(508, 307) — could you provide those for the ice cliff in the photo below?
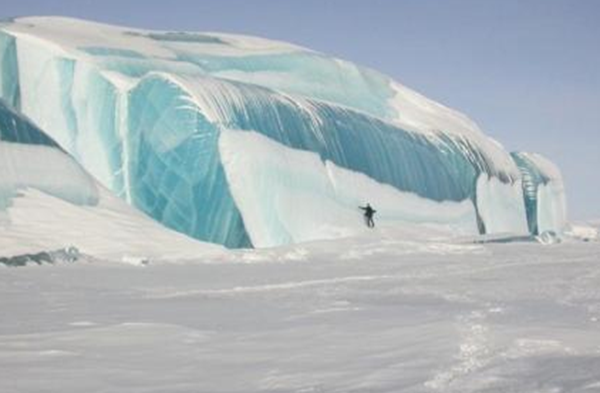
point(245, 141)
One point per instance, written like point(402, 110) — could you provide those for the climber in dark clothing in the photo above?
point(369, 211)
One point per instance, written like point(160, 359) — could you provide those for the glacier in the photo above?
point(245, 141)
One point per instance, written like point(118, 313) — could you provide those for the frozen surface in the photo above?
point(543, 192)
point(380, 312)
point(289, 196)
point(143, 111)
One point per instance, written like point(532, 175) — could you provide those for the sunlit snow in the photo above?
point(380, 312)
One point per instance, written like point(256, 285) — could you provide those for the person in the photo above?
point(369, 211)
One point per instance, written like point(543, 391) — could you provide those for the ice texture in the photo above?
point(48, 202)
point(500, 206)
point(289, 195)
point(30, 159)
point(543, 193)
point(144, 111)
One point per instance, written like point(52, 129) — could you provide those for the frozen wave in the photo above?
point(48, 202)
point(143, 112)
point(287, 195)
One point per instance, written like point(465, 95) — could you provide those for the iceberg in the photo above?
point(245, 141)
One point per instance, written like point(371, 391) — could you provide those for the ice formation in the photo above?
point(289, 195)
point(543, 193)
point(49, 202)
point(29, 159)
point(151, 114)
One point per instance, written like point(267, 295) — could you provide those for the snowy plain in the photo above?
point(378, 312)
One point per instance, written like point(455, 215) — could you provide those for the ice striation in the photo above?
point(48, 202)
point(213, 134)
point(543, 193)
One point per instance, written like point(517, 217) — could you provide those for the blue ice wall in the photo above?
point(174, 169)
point(439, 170)
point(144, 117)
point(532, 178)
point(177, 132)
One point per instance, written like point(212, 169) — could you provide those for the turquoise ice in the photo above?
point(144, 113)
point(543, 193)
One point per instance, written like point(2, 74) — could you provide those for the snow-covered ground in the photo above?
point(380, 312)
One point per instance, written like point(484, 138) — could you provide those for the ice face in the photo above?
point(29, 159)
point(48, 201)
point(543, 193)
point(500, 206)
point(144, 112)
point(173, 169)
point(175, 115)
point(289, 195)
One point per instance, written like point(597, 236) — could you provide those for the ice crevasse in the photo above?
point(245, 141)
